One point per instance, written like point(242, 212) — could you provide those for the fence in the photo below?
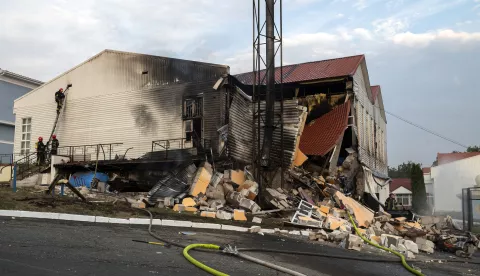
point(177, 148)
point(471, 209)
point(90, 152)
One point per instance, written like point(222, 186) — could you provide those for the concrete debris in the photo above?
point(354, 242)
point(208, 214)
point(224, 215)
point(337, 236)
point(256, 220)
point(255, 229)
point(202, 179)
point(410, 255)
point(411, 246)
point(388, 240)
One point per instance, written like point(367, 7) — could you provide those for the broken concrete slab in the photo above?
point(388, 240)
point(425, 245)
point(321, 234)
point(249, 205)
point(294, 232)
point(224, 215)
point(325, 209)
point(256, 220)
point(236, 176)
point(402, 249)
point(216, 179)
point(354, 242)
point(309, 221)
point(410, 255)
point(411, 246)
point(333, 223)
point(254, 229)
point(337, 235)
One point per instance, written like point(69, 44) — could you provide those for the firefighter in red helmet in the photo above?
point(55, 145)
point(40, 147)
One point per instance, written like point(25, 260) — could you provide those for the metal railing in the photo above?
point(471, 209)
point(90, 152)
point(193, 146)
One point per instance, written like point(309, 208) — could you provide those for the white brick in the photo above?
point(268, 231)
point(305, 233)
point(10, 213)
point(168, 222)
point(411, 246)
point(76, 217)
point(118, 220)
point(183, 223)
point(206, 225)
point(139, 221)
point(234, 228)
point(156, 222)
point(100, 219)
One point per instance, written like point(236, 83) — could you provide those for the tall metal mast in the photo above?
point(267, 88)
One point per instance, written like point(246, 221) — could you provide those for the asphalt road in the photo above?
point(41, 247)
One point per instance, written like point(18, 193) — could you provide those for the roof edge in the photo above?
point(19, 77)
point(7, 123)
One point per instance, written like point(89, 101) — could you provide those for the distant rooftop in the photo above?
point(445, 158)
point(15, 76)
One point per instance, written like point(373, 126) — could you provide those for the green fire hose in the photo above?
point(199, 264)
point(404, 263)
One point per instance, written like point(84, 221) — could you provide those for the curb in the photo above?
point(132, 221)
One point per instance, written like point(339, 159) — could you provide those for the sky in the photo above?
point(425, 54)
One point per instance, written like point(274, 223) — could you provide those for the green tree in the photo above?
point(473, 149)
point(419, 193)
point(401, 171)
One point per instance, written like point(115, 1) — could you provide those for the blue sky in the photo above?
point(424, 54)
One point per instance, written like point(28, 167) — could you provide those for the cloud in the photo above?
point(388, 27)
point(422, 40)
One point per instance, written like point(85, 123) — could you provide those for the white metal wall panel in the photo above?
point(368, 118)
point(134, 118)
point(449, 180)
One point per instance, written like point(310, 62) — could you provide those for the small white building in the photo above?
point(402, 189)
point(454, 172)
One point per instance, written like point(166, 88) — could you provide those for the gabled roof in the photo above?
point(426, 170)
point(445, 158)
point(400, 182)
point(309, 71)
point(321, 135)
point(375, 91)
point(19, 77)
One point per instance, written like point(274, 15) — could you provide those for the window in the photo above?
point(192, 108)
point(404, 199)
point(26, 135)
point(188, 129)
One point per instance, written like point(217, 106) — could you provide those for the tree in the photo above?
point(401, 171)
point(473, 149)
point(419, 193)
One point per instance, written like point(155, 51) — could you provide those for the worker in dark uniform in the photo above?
point(59, 97)
point(40, 146)
point(391, 203)
point(55, 145)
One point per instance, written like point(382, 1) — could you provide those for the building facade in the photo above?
point(12, 86)
point(128, 100)
point(402, 189)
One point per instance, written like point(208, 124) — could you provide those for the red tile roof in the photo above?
point(400, 182)
point(316, 70)
point(445, 158)
point(375, 91)
point(320, 136)
point(426, 170)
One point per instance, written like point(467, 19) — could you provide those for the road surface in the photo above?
point(49, 247)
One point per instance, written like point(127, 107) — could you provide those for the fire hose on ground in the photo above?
point(235, 251)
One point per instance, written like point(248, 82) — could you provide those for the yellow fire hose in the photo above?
point(404, 263)
point(199, 264)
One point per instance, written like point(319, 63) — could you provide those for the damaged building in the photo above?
point(332, 116)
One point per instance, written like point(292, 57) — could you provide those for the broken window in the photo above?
point(188, 125)
point(26, 136)
point(192, 108)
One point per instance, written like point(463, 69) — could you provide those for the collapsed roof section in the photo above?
point(321, 135)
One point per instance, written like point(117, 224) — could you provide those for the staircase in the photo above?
point(28, 166)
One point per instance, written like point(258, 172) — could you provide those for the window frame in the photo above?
point(26, 136)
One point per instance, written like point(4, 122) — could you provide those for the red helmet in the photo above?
point(54, 136)
point(40, 138)
point(61, 89)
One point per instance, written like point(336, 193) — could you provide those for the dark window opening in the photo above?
point(192, 108)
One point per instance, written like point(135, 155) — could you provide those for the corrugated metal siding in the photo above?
point(112, 102)
point(240, 130)
point(368, 118)
point(112, 72)
point(134, 118)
